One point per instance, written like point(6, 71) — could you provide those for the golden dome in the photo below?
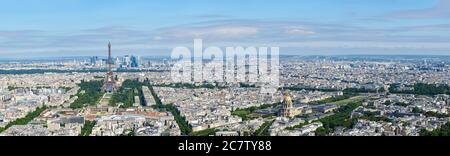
point(287, 98)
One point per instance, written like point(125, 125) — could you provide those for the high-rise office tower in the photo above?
point(126, 61)
point(117, 62)
point(93, 60)
point(134, 61)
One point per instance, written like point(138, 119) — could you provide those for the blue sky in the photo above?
point(304, 27)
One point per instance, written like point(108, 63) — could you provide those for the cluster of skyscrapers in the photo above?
point(127, 61)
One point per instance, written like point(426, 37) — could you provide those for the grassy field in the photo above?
point(106, 98)
point(248, 113)
point(350, 100)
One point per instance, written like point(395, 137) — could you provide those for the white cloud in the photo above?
point(299, 30)
point(234, 31)
point(440, 10)
point(367, 44)
point(285, 34)
point(215, 32)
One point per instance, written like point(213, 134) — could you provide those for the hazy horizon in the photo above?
point(168, 56)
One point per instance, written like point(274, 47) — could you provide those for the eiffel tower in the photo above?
point(109, 85)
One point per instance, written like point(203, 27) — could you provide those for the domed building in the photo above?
point(287, 107)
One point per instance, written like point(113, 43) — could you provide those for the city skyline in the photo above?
point(350, 27)
point(225, 76)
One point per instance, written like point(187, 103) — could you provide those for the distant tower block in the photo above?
point(109, 85)
point(287, 106)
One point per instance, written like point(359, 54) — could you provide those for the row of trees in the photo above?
point(87, 128)
point(264, 129)
point(429, 89)
point(185, 128)
point(297, 126)
point(419, 88)
point(423, 89)
point(184, 125)
point(25, 120)
point(181, 121)
point(131, 88)
point(363, 90)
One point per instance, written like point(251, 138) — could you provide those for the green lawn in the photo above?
point(355, 99)
point(248, 113)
